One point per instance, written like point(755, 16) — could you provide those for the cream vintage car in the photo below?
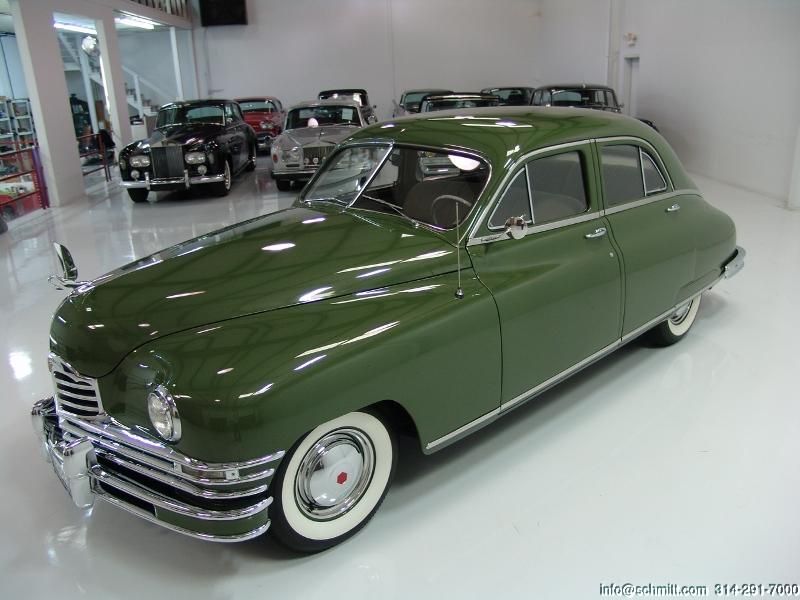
point(311, 131)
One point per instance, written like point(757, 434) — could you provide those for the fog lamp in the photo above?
point(202, 169)
point(163, 414)
point(135, 174)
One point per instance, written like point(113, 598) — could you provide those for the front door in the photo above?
point(558, 288)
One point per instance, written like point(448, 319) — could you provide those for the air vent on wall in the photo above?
point(223, 12)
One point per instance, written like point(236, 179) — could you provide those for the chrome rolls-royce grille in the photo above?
point(167, 162)
point(75, 394)
point(314, 155)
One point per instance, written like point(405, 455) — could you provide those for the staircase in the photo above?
point(135, 84)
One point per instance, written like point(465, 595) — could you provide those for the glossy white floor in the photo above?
point(678, 465)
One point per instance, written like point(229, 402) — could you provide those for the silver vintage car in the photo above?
point(310, 132)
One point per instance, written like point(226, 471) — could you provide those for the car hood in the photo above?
point(325, 133)
point(176, 134)
point(291, 257)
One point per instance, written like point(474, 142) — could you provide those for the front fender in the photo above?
point(252, 385)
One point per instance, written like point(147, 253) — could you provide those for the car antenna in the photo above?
point(459, 289)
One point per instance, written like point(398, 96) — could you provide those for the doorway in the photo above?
point(630, 84)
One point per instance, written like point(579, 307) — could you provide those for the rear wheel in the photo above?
point(138, 194)
point(284, 185)
point(223, 187)
point(332, 482)
point(677, 325)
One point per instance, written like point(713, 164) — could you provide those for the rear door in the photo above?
point(652, 225)
point(558, 288)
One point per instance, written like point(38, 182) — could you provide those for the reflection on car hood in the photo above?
point(324, 133)
point(177, 134)
point(290, 257)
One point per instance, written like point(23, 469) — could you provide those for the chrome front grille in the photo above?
point(75, 394)
point(316, 152)
point(167, 162)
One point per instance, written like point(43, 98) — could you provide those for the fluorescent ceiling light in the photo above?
point(136, 22)
point(75, 28)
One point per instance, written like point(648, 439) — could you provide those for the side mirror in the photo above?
point(516, 227)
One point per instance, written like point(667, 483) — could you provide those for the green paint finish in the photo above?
point(268, 328)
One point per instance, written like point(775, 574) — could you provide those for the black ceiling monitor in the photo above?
point(223, 12)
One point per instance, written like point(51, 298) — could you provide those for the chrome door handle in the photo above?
point(597, 233)
point(674, 208)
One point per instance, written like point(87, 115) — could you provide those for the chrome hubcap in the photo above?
point(681, 314)
point(334, 474)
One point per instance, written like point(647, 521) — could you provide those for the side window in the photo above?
point(229, 114)
point(654, 181)
point(537, 97)
point(514, 203)
point(546, 97)
point(557, 187)
point(622, 174)
point(238, 111)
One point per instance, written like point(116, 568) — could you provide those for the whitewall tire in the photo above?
point(677, 325)
point(332, 482)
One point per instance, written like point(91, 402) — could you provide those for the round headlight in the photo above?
point(140, 160)
point(164, 414)
point(195, 158)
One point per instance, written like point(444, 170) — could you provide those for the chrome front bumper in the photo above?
point(172, 182)
point(735, 264)
point(222, 502)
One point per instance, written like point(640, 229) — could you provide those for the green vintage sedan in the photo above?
point(436, 273)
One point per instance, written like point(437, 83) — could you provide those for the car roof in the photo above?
point(255, 98)
point(343, 91)
point(200, 102)
point(429, 90)
point(500, 132)
point(328, 102)
point(460, 96)
point(507, 87)
point(575, 86)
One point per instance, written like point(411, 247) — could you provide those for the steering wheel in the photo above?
point(456, 199)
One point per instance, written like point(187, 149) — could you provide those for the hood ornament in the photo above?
point(69, 277)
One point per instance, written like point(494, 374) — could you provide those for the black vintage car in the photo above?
point(197, 142)
point(582, 95)
point(511, 95)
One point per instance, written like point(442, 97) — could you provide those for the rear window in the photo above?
point(622, 174)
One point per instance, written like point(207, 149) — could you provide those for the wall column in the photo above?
point(114, 79)
point(33, 25)
point(794, 185)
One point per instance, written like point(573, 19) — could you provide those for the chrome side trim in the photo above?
point(135, 510)
point(100, 475)
point(648, 200)
point(522, 398)
point(534, 229)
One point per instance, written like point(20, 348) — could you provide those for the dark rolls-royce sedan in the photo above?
point(197, 142)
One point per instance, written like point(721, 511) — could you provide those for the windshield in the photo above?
point(583, 97)
point(357, 96)
point(436, 188)
point(449, 103)
point(416, 97)
point(511, 96)
point(322, 115)
point(180, 115)
point(257, 106)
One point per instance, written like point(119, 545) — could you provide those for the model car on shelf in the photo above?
point(410, 101)
point(195, 143)
point(511, 96)
point(257, 377)
point(359, 96)
point(454, 101)
point(581, 95)
point(265, 115)
point(311, 132)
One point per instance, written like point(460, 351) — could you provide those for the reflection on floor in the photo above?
point(677, 465)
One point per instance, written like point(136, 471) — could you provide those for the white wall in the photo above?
point(295, 49)
point(721, 78)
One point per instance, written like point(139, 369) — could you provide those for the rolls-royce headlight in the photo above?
point(140, 160)
point(264, 125)
point(195, 158)
point(292, 154)
point(164, 414)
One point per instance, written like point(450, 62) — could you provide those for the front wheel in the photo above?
point(677, 325)
point(223, 187)
point(332, 482)
point(251, 161)
point(138, 194)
